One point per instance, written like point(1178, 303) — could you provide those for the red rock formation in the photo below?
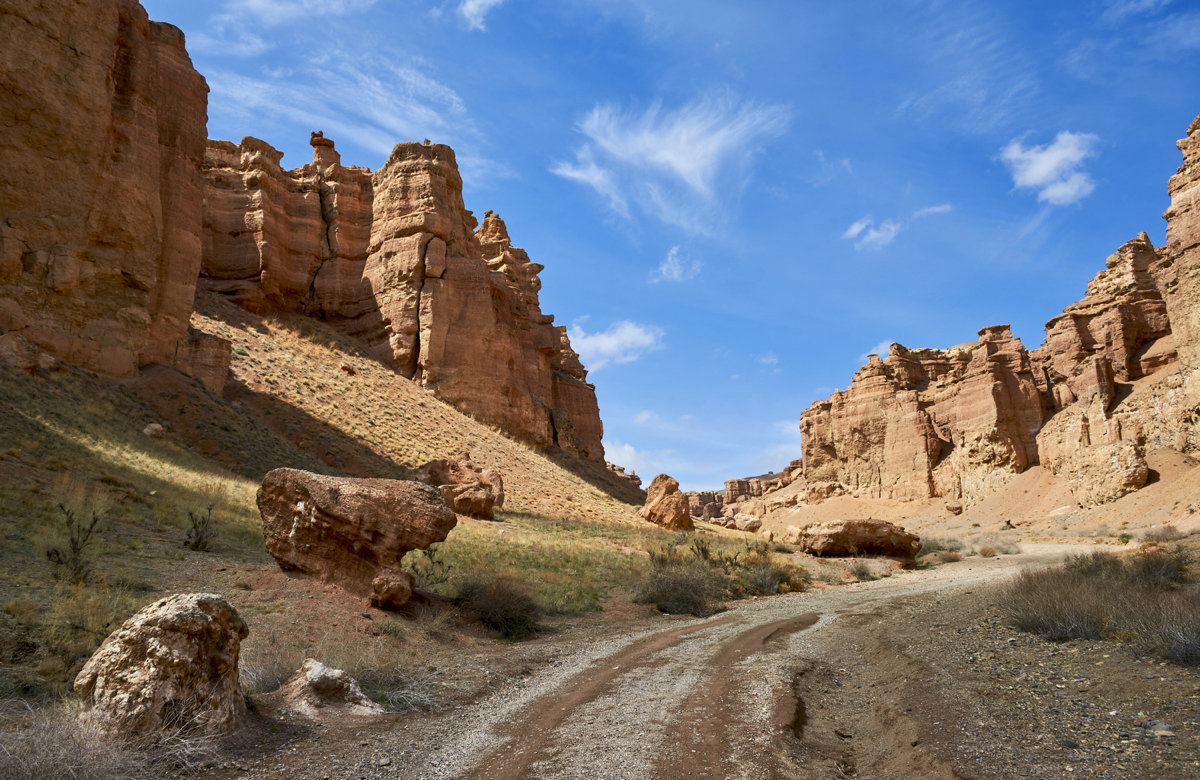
point(1182, 282)
point(666, 506)
point(351, 532)
point(99, 182)
point(854, 537)
point(466, 488)
point(928, 422)
point(738, 490)
point(395, 259)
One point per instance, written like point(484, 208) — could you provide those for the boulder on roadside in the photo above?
point(792, 535)
point(317, 692)
point(666, 506)
point(172, 667)
point(466, 488)
point(351, 532)
point(852, 537)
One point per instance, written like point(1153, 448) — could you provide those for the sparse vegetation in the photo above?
point(54, 742)
point(505, 605)
point(862, 572)
point(683, 586)
point(937, 544)
point(200, 532)
point(987, 551)
point(1145, 599)
point(1162, 534)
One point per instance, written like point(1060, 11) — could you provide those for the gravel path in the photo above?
point(721, 697)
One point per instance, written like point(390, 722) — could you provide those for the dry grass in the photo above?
point(55, 742)
point(1144, 599)
point(387, 670)
point(505, 605)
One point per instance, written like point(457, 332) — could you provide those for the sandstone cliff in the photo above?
point(394, 258)
point(104, 128)
point(1118, 373)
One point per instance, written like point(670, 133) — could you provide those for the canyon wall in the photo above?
point(1118, 374)
point(100, 192)
point(394, 258)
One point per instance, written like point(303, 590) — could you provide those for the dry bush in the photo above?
point(1142, 599)
point(1162, 534)
point(681, 587)
point(200, 531)
point(504, 604)
point(937, 544)
point(862, 572)
point(949, 556)
point(55, 742)
point(987, 551)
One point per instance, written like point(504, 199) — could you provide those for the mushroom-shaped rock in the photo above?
point(171, 667)
point(351, 532)
point(666, 506)
point(466, 488)
point(316, 692)
point(851, 537)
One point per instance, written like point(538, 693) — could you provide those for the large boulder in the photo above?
point(466, 488)
point(852, 537)
point(351, 532)
point(317, 692)
point(1105, 472)
point(171, 667)
point(666, 506)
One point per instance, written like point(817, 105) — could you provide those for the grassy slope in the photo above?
point(70, 436)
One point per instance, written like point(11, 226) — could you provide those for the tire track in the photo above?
point(530, 737)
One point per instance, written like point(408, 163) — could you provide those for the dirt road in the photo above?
point(744, 694)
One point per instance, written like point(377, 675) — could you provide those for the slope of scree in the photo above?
point(316, 388)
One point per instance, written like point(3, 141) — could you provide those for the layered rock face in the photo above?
point(1182, 284)
point(394, 258)
point(171, 667)
point(100, 189)
point(928, 422)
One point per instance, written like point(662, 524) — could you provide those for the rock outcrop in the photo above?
point(317, 692)
point(666, 505)
point(1118, 374)
point(394, 258)
point(100, 184)
point(172, 667)
point(351, 532)
point(466, 488)
point(928, 422)
point(852, 537)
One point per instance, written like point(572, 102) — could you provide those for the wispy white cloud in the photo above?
point(828, 169)
point(929, 211)
point(1052, 169)
point(1120, 10)
point(1176, 33)
point(646, 416)
point(668, 161)
point(474, 11)
point(621, 342)
point(882, 349)
point(675, 268)
point(769, 359)
point(373, 101)
point(975, 71)
point(867, 235)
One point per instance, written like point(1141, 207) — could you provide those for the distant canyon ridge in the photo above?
point(115, 207)
point(1117, 375)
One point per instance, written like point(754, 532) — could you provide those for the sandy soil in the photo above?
point(910, 676)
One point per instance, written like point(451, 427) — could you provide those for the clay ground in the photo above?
point(909, 676)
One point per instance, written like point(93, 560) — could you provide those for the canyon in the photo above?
point(101, 269)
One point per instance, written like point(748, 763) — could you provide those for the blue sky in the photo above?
point(735, 205)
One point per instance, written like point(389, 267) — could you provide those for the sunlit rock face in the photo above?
point(394, 258)
point(1117, 375)
point(100, 188)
